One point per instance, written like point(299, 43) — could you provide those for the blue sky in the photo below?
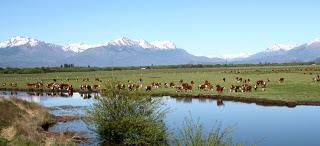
point(210, 28)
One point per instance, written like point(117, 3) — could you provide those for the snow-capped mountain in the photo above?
point(19, 41)
point(286, 53)
point(28, 52)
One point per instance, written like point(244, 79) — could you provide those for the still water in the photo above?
point(254, 124)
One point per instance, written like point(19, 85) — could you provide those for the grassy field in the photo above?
point(298, 84)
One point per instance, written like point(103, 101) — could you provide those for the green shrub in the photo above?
point(192, 134)
point(128, 118)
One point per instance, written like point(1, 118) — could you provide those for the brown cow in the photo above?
point(178, 89)
point(281, 80)
point(219, 88)
point(187, 87)
point(96, 87)
point(246, 87)
point(202, 87)
point(148, 88)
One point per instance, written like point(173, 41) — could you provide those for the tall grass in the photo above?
point(123, 117)
point(193, 134)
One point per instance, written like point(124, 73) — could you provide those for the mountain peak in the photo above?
point(19, 41)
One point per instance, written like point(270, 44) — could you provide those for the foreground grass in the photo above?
point(22, 122)
point(298, 84)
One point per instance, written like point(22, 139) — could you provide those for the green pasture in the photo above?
point(298, 84)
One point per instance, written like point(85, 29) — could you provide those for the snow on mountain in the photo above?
point(142, 43)
point(314, 42)
point(280, 47)
point(163, 44)
point(19, 41)
point(78, 47)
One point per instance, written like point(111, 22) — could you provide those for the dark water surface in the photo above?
point(255, 124)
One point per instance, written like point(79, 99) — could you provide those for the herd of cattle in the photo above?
point(244, 85)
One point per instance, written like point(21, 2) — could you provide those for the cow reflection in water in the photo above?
point(52, 94)
point(35, 93)
point(220, 102)
point(13, 93)
point(85, 95)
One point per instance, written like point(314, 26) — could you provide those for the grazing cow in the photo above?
point(219, 88)
point(224, 79)
point(281, 80)
point(246, 87)
point(166, 85)
point(13, 84)
point(202, 87)
point(181, 81)
point(317, 79)
point(187, 87)
point(192, 83)
point(206, 82)
point(260, 82)
point(235, 88)
point(179, 89)
point(54, 80)
point(96, 87)
point(239, 79)
point(120, 86)
point(35, 85)
point(210, 87)
point(172, 84)
point(156, 84)
point(66, 87)
point(148, 88)
point(97, 79)
point(134, 87)
point(85, 87)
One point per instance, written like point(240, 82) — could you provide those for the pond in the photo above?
point(255, 124)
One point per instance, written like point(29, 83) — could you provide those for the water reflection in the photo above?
point(277, 125)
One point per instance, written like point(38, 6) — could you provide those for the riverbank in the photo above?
point(26, 123)
point(257, 100)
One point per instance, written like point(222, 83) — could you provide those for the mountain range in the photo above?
point(29, 52)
